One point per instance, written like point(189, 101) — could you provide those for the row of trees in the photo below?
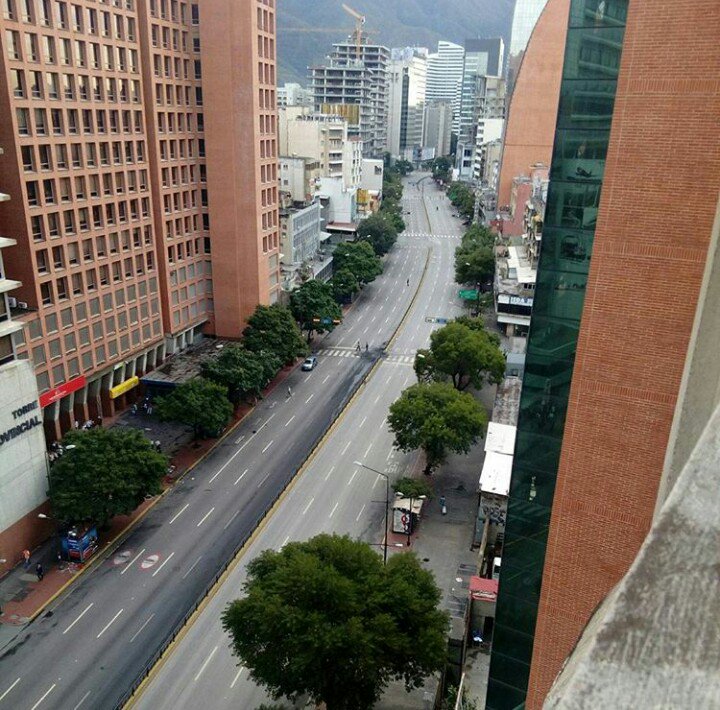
point(475, 257)
point(463, 198)
point(437, 415)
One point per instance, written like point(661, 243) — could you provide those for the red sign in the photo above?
point(61, 390)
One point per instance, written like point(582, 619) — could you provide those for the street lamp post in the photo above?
point(410, 519)
point(387, 503)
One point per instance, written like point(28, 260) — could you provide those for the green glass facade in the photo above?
point(587, 94)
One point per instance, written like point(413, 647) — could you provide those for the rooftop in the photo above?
point(184, 365)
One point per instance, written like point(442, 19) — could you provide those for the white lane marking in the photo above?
point(82, 613)
point(334, 509)
point(285, 542)
point(382, 423)
point(179, 513)
point(260, 428)
point(132, 561)
point(367, 451)
point(10, 688)
point(307, 507)
point(232, 517)
point(289, 420)
point(352, 477)
point(267, 447)
point(265, 477)
point(192, 567)
point(327, 377)
point(366, 330)
point(308, 377)
point(240, 477)
point(107, 626)
point(347, 446)
point(82, 700)
point(387, 319)
point(364, 419)
point(205, 517)
point(387, 382)
point(47, 692)
point(215, 476)
point(237, 675)
point(362, 510)
point(137, 633)
point(332, 468)
point(239, 439)
point(377, 399)
point(205, 665)
point(309, 398)
point(167, 559)
point(377, 478)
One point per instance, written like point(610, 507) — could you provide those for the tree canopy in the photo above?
point(197, 403)
point(438, 419)
point(442, 168)
point(103, 473)
point(379, 231)
point(412, 487)
point(475, 257)
point(463, 198)
point(359, 259)
point(464, 354)
point(325, 618)
point(272, 331)
point(238, 369)
point(344, 285)
point(314, 307)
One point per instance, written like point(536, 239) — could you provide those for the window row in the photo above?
point(69, 53)
point(266, 73)
point(192, 292)
point(266, 47)
point(266, 21)
point(266, 97)
point(55, 224)
point(267, 124)
point(179, 201)
point(267, 148)
point(74, 121)
point(268, 196)
point(61, 288)
point(174, 68)
point(180, 122)
point(182, 149)
point(103, 154)
point(268, 173)
point(71, 87)
point(171, 10)
point(183, 175)
point(169, 38)
point(174, 95)
point(68, 16)
point(183, 227)
point(270, 242)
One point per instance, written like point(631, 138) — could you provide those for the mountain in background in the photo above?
point(399, 23)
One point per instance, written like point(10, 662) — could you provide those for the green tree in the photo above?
point(197, 403)
point(103, 473)
point(359, 259)
point(325, 618)
point(272, 331)
point(378, 229)
point(392, 188)
point(477, 235)
point(462, 354)
point(438, 419)
point(463, 198)
point(392, 211)
point(475, 266)
point(412, 487)
point(314, 307)
point(442, 169)
point(344, 285)
point(238, 369)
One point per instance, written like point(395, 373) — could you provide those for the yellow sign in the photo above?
point(363, 197)
point(123, 387)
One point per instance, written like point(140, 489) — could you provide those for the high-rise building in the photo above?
point(437, 131)
point(135, 229)
point(532, 108)
point(445, 73)
point(607, 348)
point(525, 15)
point(406, 101)
point(292, 94)
point(356, 88)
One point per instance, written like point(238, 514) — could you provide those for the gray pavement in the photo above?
point(93, 642)
point(334, 495)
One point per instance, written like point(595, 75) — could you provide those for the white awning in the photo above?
point(496, 472)
point(500, 438)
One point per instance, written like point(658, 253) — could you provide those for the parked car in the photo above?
point(310, 363)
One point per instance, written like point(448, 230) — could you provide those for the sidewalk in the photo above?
point(23, 597)
point(443, 545)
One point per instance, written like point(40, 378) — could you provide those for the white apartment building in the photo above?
point(292, 94)
point(407, 78)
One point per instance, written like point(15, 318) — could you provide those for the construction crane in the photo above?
point(359, 22)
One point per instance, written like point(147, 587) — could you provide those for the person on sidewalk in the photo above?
point(39, 572)
point(26, 559)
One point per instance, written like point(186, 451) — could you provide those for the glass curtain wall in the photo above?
point(587, 95)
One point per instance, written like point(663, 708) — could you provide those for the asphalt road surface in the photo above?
point(92, 644)
point(332, 494)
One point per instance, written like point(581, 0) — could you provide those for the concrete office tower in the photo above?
point(437, 134)
point(445, 73)
point(239, 59)
point(356, 88)
point(605, 359)
point(525, 15)
point(532, 111)
point(124, 153)
point(406, 102)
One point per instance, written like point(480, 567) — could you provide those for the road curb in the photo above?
point(209, 596)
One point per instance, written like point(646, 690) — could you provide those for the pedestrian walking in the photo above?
point(133, 409)
point(408, 282)
point(26, 559)
point(367, 347)
point(149, 408)
point(39, 571)
point(289, 392)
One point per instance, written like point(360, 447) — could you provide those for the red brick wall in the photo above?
point(658, 202)
point(532, 114)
